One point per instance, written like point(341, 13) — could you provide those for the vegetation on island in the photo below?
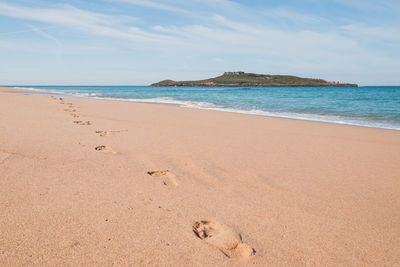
point(240, 79)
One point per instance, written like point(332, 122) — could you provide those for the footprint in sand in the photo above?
point(103, 133)
point(107, 133)
point(100, 148)
point(75, 115)
point(82, 122)
point(70, 110)
point(224, 238)
point(167, 177)
point(104, 149)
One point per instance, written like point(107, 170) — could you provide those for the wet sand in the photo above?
point(100, 183)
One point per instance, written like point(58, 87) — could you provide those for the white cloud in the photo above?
point(217, 3)
point(63, 15)
point(82, 20)
point(153, 4)
point(366, 31)
point(26, 31)
point(171, 5)
point(44, 34)
point(287, 15)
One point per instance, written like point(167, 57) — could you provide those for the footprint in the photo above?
point(104, 149)
point(100, 148)
point(227, 240)
point(82, 122)
point(70, 110)
point(107, 133)
point(103, 133)
point(168, 177)
point(75, 115)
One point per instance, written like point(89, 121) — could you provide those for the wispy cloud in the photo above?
point(297, 17)
point(44, 34)
point(25, 31)
point(217, 3)
point(82, 20)
point(369, 32)
point(153, 4)
point(371, 6)
point(64, 15)
point(183, 6)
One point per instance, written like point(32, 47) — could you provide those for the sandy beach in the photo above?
point(88, 182)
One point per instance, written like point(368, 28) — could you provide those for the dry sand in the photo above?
point(152, 185)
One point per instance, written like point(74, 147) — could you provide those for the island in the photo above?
point(242, 79)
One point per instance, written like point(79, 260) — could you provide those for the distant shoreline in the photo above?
point(253, 85)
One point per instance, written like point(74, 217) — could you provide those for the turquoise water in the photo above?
point(373, 106)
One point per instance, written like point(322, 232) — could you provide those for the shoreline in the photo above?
point(96, 182)
point(193, 105)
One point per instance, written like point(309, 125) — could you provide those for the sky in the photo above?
point(138, 42)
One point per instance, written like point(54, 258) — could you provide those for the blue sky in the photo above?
point(137, 42)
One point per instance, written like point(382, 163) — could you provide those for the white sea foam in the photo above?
point(173, 101)
point(31, 89)
point(85, 94)
point(38, 90)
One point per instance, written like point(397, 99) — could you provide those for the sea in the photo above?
point(367, 106)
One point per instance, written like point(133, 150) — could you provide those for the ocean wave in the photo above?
point(60, 92)
point(44, 91)
point(316, 118)
point(80, 94)
point(173, 101)
point(31, 89)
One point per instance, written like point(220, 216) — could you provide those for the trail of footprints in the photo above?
point(219, 235)
point(72, 110)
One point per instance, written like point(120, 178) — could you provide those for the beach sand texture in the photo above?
point(100, 183)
